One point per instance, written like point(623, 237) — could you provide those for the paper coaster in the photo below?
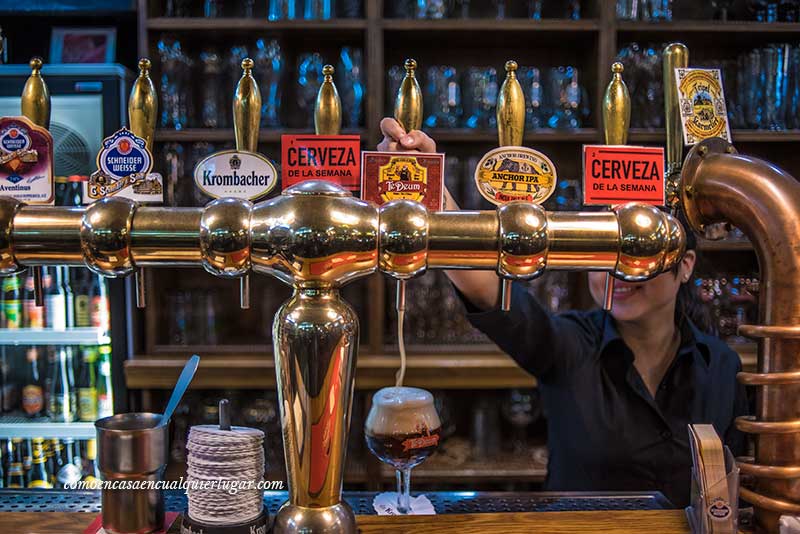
point(386, 504)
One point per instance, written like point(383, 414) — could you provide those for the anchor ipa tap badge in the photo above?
point(513, 172)
point(701, 100)
point(387, 176)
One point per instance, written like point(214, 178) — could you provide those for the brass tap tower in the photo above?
point(328, 107)
point(408, 105)
point(676, 56)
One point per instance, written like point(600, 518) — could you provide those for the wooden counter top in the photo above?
point(606, 522)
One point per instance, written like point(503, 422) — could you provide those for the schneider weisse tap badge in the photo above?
point(515, 173)
point(701, 100)
point(235, 173)
point(123, 169)
point(26, 161)
point(387, 176)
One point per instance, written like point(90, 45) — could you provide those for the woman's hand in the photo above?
point(396, 139)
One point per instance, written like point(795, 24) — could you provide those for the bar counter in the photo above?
point(71, 512)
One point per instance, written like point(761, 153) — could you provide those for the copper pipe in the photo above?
point(719, 185)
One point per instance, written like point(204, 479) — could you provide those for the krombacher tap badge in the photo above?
point(387, 176)
point(123, 169)
point(701, 100)
point(235, 173)
point(515, 173)
point(26, 161)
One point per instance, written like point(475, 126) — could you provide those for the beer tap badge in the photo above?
point(235, 173)
point(701, 100)
point(26, 161)
point(123, 169)
point(515, 173)
point(387, 176)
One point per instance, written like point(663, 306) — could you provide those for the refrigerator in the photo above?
point(88, 103)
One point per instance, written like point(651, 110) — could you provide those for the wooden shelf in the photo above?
point(223, 135)
point(642, 135)
point(479, 371)
point(243, 24)
point(724, 245)
point(487, 24)
point(709, 26)
point(465, 135)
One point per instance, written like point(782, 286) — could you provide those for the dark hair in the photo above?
point(687, 302)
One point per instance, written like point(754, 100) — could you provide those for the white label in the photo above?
point(235, 173)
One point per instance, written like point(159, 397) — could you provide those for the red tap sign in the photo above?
point(335, 158)
point(617, 174)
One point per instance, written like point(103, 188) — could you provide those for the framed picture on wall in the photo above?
point(83, 45)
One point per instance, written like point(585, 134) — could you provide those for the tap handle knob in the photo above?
point(510, 109)
point(408, 104)
point(616, 108)
point(36, 96)
point(328, 108)
point(143, 105)
point(246, 109)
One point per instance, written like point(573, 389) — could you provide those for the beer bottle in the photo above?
point(61, 190)
point(73, 391)
point(61, 408)
point(27, 459)
point(16, 475)
point(55, 301)
point(57, 450)
point(83, 301)
point(3, 454)
point(12, 302)
point(38, 476)
point(69, 473)
point(92, 475)
point(87, 385)
point(100, 310)
point(50, 462)
point(33, 315)
point(105, 394)
point(69, 297)
point(74, 195)
point(32, 392)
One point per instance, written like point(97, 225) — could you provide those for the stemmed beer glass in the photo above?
point(402, 430)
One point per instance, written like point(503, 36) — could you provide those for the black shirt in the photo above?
point(605, 429)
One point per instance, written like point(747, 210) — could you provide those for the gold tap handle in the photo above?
point(616, 108)
point(676, 55)
point(36, 107)
point(328, 109)
point(408, 104)
point(246, 109)
point(143, 105)
point(616, 118)
point(510, 109)
point(36, 96)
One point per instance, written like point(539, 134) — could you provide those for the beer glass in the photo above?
point(402, 430)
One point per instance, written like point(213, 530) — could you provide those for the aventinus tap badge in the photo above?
point(26, 161)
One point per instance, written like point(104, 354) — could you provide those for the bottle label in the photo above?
point(100, 312)
point(34, 314)
point(56, 312)
point(105, 405)
point(32, 399)
point(43, 484)
point(82, 311)
point(87, 404)
point(69, 474)
point(13, 317)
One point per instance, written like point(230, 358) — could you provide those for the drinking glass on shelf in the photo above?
point(309, 79)
point(318, 9)
point(212, 8)
point(431, 9)
point(788, 10)
point(282, 10)
point(174, 84)
point(530, 80)
point(500, 5)
point(574, 9)
point(177, 8)
point(394, 78)
point(721, 8)
point(350, 81)
point(480, 98)
point(269, 68)
point(628, 9)
point(402, 430)
point(656, 10)
point(464, 11)
point(763, 10)
point(212, 103)
point(565, 94)
point(520, 408)
point(535, 9)
point(443, 97)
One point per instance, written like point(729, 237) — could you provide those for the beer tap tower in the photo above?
point(316, 237)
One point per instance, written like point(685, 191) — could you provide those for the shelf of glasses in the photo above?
point(656, 135)
point(490, 370)
point(225, 135)
point(505, 25)
point(543, 135)
point(19, 426)
point(706, 26)
point(233, 23)
point(73, 336)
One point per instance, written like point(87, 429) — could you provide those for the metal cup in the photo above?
point(132, 448)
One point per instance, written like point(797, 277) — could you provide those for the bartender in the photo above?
point(619, 388)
